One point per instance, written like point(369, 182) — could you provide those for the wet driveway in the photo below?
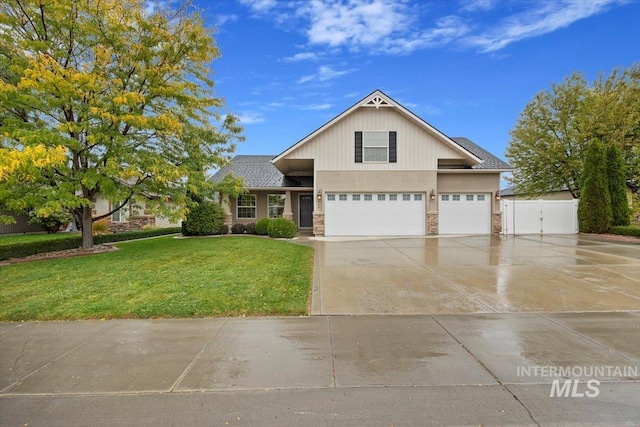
point(475, 274)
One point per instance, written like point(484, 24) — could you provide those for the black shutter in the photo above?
point(358, 147)
point(393, 147)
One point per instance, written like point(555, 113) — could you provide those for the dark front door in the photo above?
point(306, 211)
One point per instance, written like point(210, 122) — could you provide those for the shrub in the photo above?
point(629, 230)
point(100, 226)
point(250, 228)
point(237, 228)
point(204, 219)
point(224, 229)
point(282, 228)
point(21, 250)
point(262, 227)
point(594, 210)
point(617, 186)
point(53, 222)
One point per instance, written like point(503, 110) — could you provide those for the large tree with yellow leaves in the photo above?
point(106, 97)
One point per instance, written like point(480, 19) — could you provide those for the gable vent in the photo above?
point(377, 102)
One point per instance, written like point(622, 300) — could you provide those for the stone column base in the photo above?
point(496, 223)
point(288, 215)
point(432, 223)
point(318, 223)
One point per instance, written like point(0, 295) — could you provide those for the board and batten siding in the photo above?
point(333, 149)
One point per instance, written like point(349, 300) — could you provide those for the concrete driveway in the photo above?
point(475, 274)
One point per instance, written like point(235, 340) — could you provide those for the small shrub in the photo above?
point(100, 227)
point(204, 219)
point(53, 222)
point(237, 228)
point(250, 228)
point(262, 227)
point(224, 229)
point(282, 228)
point(629, 230)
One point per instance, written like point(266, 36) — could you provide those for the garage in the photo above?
point(465, 213)
point(374, 214)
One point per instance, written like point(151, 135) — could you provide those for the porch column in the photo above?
point(226, 206)
point(288, 211)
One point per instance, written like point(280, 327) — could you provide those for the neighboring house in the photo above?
point(376, 169)
point(512, 193)
point(133, 216)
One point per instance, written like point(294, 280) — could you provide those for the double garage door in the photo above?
point(404, 214)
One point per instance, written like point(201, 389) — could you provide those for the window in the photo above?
point(94, 211)
point(355, 197)
point(331, 197)
point(469, 197)
point(119, 215)
point(375, 146)
point(406, 197)
point(417, 197)
point(456, 197)
point(342, 197)
point(444, 197)
point(246, 206)
point(381, 197)
point(368, 197)
point(275, 205)
point(393, 197)
point(480, 197)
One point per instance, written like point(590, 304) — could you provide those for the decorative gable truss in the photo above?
point(377, 101)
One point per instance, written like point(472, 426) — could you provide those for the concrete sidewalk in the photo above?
point(336, 370)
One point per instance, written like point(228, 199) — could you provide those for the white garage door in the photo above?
point(464, 213)
point(374, 214)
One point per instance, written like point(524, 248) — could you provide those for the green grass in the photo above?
point(163, 278)
point(27, 238)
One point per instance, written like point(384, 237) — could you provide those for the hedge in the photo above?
point(21, 250)
point(629, 230)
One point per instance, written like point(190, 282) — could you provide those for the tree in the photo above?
point(549, 140)
point(617, 186)
point(125, 94)
point(594, 210)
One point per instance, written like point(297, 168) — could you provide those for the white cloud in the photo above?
point(249, 118)
point(276, 104)
point(447, 30)
point(302, 56)
point(317, 107)
point(260, 6)
point(324, 74)
point(220, 20)
point(477, 5)
point(543, 18)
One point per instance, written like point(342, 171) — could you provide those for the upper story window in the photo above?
point(375, 146)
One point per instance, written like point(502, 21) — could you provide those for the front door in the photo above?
point(306, 211)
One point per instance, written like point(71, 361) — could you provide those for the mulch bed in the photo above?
point(612, 237)
point(69, 253)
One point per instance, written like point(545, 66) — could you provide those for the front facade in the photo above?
point(376, 169)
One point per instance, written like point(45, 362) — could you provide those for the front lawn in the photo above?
point(163, 278)
point(28, 238)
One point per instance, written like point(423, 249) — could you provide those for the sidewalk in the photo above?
point(336, 370)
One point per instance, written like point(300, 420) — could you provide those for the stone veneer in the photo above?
point(318, 223)
point(134, 223)
point(288, 216)
point(496, 223)
point(432, 223)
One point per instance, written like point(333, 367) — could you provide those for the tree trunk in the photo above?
point(87, 222)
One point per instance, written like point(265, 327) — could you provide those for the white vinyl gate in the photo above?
point(539, 216)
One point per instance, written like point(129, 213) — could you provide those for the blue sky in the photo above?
point(468, 67)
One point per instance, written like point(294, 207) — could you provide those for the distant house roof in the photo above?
point(513, 190)
point(489, 160)
point(259, 172)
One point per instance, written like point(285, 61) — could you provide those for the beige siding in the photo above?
point(334, 150)
point(262, 206)
point(470, 183)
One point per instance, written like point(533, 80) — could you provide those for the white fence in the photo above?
point(539, 216)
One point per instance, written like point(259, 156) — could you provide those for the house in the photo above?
point(512, 193)
point(375, 169)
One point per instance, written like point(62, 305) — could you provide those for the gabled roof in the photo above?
point(379, 99)
point(259, 172)
point(489, 160)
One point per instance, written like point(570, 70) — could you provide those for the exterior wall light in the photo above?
point(498, 195)
point(320, 194)
point(432, 195)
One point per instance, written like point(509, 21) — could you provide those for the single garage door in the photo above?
point(464, 213)
point(374, 214)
